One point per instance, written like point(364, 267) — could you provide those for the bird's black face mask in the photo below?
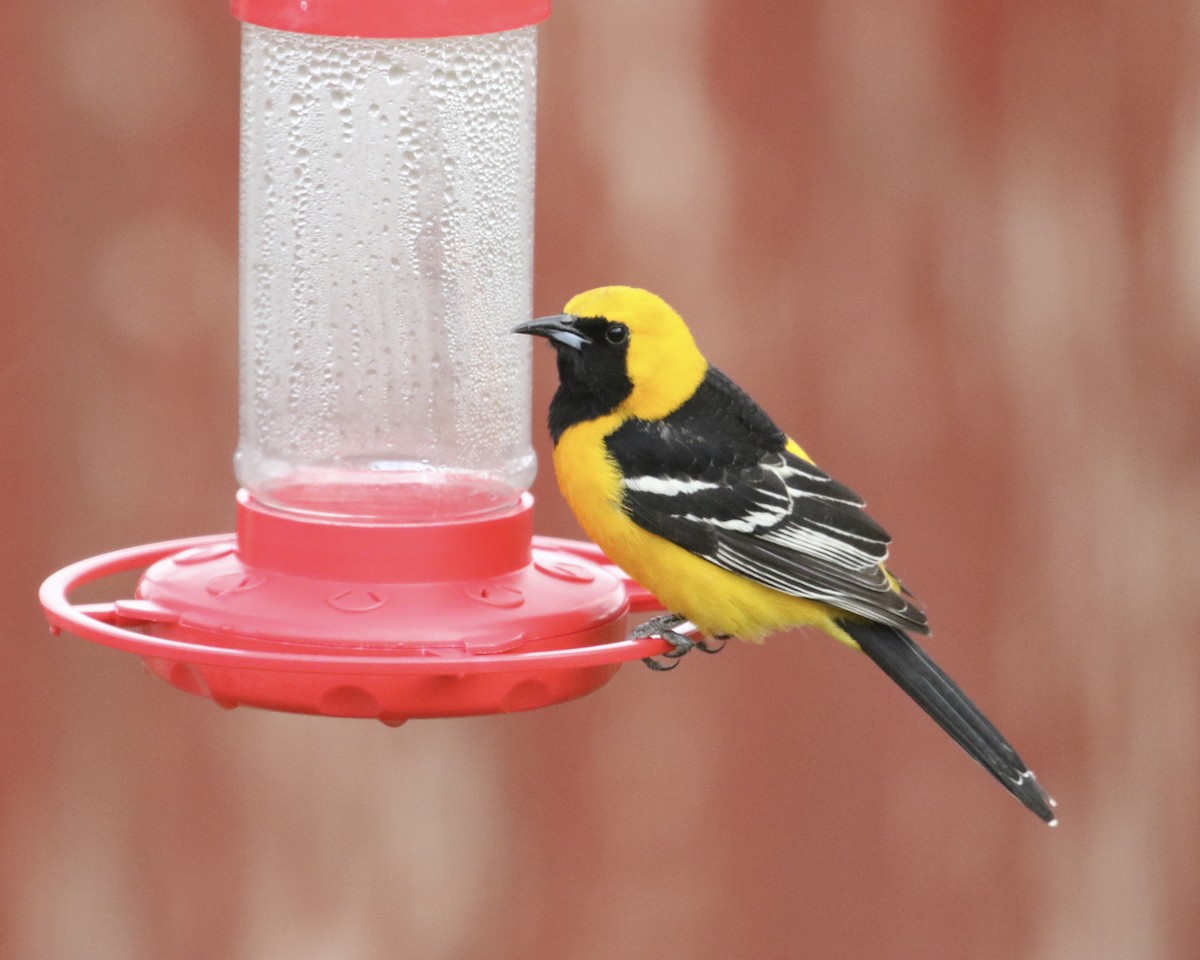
point(592, 377)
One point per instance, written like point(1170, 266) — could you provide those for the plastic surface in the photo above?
point(386, 253)
point(392, 18)
point(257, 619)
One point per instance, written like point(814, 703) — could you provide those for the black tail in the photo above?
point(940, 697)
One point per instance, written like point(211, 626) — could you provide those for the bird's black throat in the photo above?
point(592, 381)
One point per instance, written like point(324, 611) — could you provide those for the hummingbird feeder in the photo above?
point(384, 563)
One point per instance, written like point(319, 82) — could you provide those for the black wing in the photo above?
point(716, 478)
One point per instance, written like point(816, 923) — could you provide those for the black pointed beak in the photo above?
point(559, 328)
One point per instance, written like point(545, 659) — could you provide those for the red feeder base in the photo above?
point(387, 621)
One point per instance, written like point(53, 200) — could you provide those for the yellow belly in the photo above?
point(720, 603)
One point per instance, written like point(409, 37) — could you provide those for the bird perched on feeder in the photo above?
point(693, 490)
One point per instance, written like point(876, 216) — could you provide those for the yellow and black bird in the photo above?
point(693, 490)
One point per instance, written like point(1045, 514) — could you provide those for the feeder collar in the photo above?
point(392, 18)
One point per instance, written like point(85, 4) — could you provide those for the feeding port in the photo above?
point(383, 564)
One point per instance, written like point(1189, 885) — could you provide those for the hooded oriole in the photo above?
point(693, 490)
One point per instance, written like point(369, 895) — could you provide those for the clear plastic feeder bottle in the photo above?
point(386, 253)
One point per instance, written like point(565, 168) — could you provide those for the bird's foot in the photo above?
point(664, 627)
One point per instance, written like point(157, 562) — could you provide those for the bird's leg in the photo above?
point(664, 627)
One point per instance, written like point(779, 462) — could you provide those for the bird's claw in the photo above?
point(679, 646)
point(712, 644)
point(664, 627)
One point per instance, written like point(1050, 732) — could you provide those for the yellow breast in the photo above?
point(717, 601)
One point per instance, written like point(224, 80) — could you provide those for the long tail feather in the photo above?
point(939, 696)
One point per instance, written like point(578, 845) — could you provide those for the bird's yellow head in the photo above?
point(620, 350)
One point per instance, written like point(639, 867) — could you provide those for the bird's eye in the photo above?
point(616, 333)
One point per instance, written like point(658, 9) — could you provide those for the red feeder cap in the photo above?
point(392, 18)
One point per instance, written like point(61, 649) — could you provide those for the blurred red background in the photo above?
point(954, 248)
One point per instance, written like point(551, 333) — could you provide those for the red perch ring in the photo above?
point(386, 621)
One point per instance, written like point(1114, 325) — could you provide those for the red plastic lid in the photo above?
point(392, 18)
